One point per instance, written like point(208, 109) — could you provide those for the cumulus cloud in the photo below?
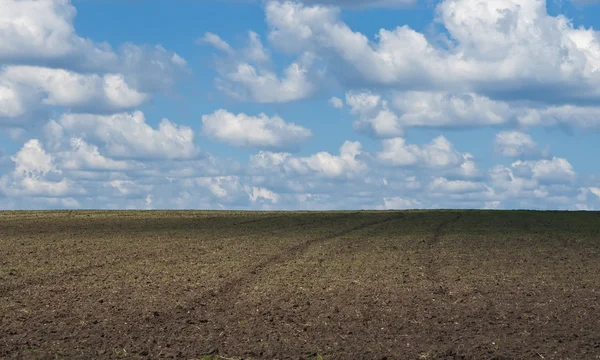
point(325, 164)
point(439, 153)
point(255, 51)
point(504, 64)
point(442, 109)
point(127, 135)
point(389, 116)
point(247, 73)
point(336, 102)
point(555, 170)
point(585, 2)
point(514, 144)
point(347, 164)
point(12, 103)
point(383, 125)
point(362, 102)
point(46, 65)
point(445, 186)
point(504, 180)
point(546, 183)
point(275, 180)
point(398, 203)
point(83, 156)
point(268, 160)
point(222, 187)
point(216, 41)
point(231, 189)
point(375, 118)
point(382, 118)
point(247, 82)
point(35, 174)
point(262, 194)
point(129, 188)
point(41, 32)
point(468, 169)
point(492, 51)
point(565, 115)
point(25, 87)
point(254, 131)
point(356, 4)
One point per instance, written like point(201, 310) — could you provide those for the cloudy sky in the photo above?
point(307, 104)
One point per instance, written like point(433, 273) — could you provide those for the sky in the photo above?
point(303, 104)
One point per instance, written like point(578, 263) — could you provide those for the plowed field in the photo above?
point(300, 285)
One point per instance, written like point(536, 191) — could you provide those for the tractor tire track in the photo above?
point(230, 289)
point(7, 290)
point(441, 229)
point(432, 268)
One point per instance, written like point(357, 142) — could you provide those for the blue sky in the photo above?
point(307, 104)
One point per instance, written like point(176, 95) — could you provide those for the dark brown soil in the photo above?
point(336, 285)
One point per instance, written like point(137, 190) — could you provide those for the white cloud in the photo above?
point(439, 153)
point(505, 62)
point(265, 194)
point(222, 187)
point(547, 171)
point(384, 124)
point(362, 102)
point(325, 164)
point(398, 203)
point(364, 4)
point(129, 188)
point(336, 102)
point(503, 179)
point(468, 169)
point(41, 32)
point(32, 159)
point(83, 156)
point(445, 186)
point(254, 131)
point(569, 115)
point(375, 117)
point(150, 68)
point(247, 74)
point(534, 184)
point(245, 81)
point(346, 164)
point(127, 135)
point(275, 181)
point(27, 86)
point(35, 174)
point(584, 2)
point(255, 51)
point(514, 144)
point(390, 116)
point(216, 41)
point(45, 64)
point(383, 118)
point(440, 109)
point(267, 159)
point(501, 49)
point(491, 205)
point(11, 103)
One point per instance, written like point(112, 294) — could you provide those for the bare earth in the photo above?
point(335, 285)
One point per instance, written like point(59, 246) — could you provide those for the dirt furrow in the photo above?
point(230, 289)
point(441, 229)
point(432, 268)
